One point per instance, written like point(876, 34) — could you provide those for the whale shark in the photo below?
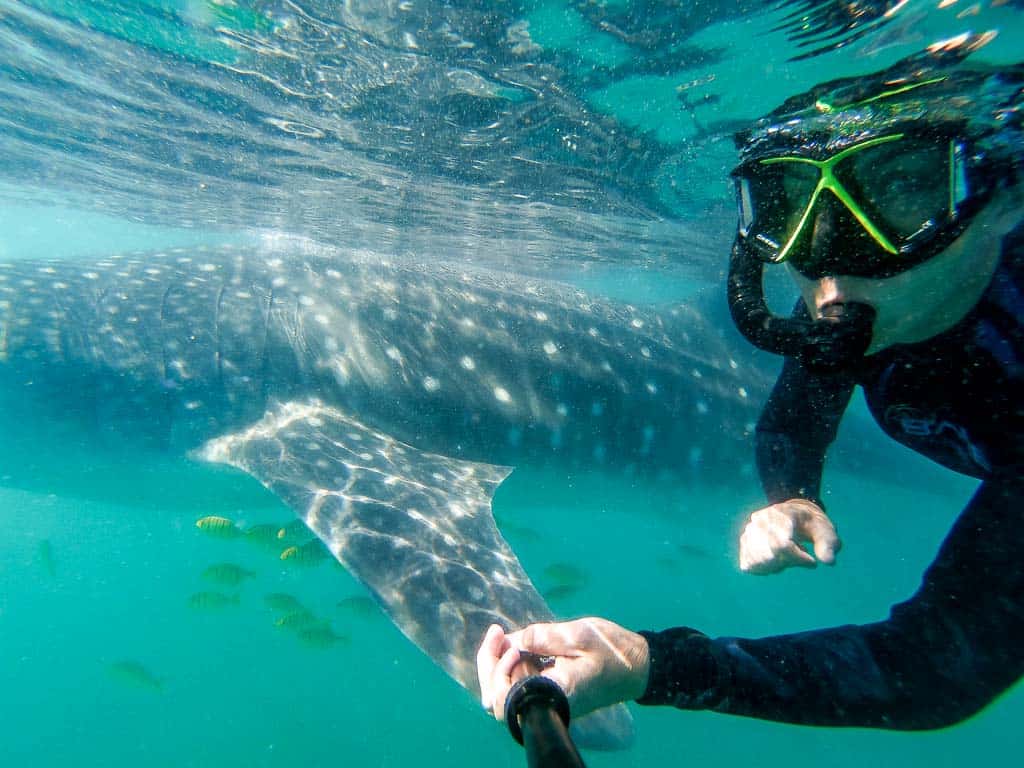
point(382, 400)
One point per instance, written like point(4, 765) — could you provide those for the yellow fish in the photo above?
point(514, 530)
point(134, 674)
point(228, 574)
point(566, 574)
point(282, 602)
point(217, 526)
point(320, 636)
point(561, 592)
point(297, 621)
point(310, 553)
point(294, 531)
point(211, 601)
point(264, 534)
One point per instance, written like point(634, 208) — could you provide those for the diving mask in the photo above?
point(901, 197)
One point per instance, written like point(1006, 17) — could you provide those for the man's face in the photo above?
point(920, 302)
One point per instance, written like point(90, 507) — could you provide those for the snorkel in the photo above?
point(843, 335)
point(809, 135)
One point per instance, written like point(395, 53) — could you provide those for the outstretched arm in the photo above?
point(798, 424)
point(939, 657)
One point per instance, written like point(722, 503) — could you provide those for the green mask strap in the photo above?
point(830, 182)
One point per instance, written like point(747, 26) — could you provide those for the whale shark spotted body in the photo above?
point(382, 401)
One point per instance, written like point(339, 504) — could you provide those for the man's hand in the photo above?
point(596, 662)
point(771, 541)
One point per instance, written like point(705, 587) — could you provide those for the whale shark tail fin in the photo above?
point(416, 528)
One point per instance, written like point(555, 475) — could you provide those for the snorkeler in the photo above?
point(894, 201)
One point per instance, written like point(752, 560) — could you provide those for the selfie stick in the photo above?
point(537, 713)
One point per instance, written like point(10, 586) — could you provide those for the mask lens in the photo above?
point(773, 198)
point(904, 186)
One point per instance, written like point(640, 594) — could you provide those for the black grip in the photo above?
point(537, 713)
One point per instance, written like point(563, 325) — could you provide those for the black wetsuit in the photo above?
point(959, 641)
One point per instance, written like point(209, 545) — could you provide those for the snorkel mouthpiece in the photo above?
point(835, 311)
point(828, 345)
point(842, 336)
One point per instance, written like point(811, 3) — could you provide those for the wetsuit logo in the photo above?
point(941, 436)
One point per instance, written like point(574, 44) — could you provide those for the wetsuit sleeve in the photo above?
point(939, 658)
point(797, 425)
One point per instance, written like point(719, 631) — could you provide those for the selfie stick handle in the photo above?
point(537, 713)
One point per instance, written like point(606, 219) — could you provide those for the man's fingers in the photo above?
point(822, 533)
point(797, 555)
point(502, 681)
point(491, 646)
point(507, 662)
point(487, 657)
point(546, 639)
point(755, 555)
point(825, 550)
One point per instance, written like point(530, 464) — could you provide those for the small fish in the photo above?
point(134, 674)
point(44, 554)
point(212, 601)
point(298, 620)
point(561, 592)
point(293, 532)
point(359, 605)
point(282, 602)
point(693, 550)
point(218, 526)
point(516, 531)
point(310, 553)
point(321, 636)
point(227, 574)
point(566, 574)
point(264, 534)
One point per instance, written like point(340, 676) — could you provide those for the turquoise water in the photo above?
point(108, 662)
point(236, 690)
